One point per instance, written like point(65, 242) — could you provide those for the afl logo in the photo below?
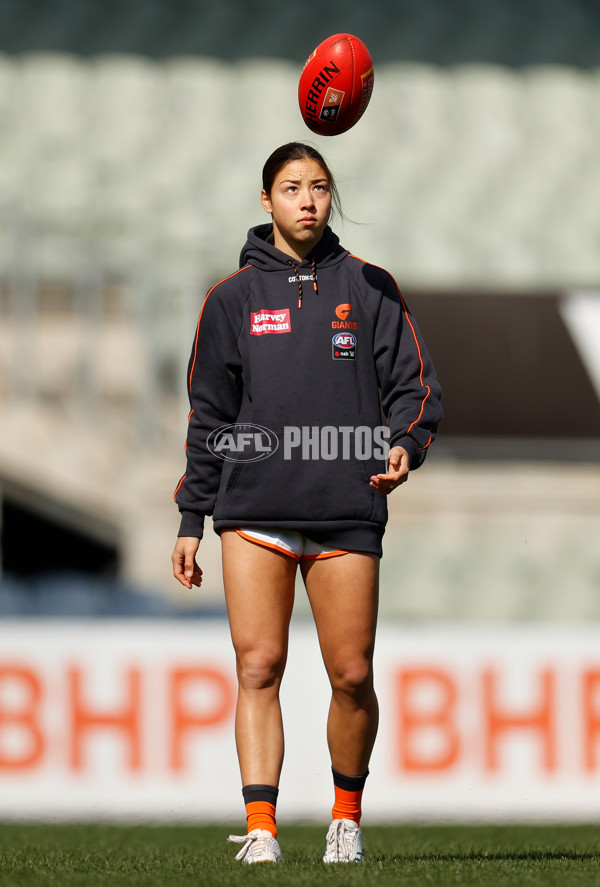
point(242, 443)
point(344, 340)
point(343, 346)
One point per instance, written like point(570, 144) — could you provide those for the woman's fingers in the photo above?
point(185, 568)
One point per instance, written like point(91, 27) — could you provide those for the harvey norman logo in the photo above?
point(262, 322)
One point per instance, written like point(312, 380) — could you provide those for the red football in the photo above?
point(336, 85)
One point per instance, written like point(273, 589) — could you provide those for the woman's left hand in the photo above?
point(397, 473)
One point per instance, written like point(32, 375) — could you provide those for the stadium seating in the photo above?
point(479, 173)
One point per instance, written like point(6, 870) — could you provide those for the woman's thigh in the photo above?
point(344, 595)
point(259, 592)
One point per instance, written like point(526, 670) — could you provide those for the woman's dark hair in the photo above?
point(298, 151)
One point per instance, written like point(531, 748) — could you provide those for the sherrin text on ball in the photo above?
point(336, 85)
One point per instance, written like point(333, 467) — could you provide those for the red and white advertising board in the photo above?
point(135, 720)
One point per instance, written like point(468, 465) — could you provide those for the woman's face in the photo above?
point(300, 205)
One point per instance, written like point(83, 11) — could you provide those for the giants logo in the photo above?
point(342, 311)
point(262, 322)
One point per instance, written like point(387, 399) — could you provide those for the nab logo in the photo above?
point(342, 311)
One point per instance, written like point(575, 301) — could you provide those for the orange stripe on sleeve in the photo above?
point(418, 347)
point(179, 485)
point(211, 290)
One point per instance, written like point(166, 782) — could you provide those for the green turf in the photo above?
point(174, 856)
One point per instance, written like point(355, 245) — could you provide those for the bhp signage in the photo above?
point(121, 719)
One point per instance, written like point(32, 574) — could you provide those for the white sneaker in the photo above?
point(259, 846)
point(344, 842)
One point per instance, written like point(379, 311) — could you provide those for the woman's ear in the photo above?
point(266, 201)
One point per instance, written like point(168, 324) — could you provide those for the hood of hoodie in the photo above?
point(260, 251)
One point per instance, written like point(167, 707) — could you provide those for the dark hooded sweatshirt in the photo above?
point(268, 352)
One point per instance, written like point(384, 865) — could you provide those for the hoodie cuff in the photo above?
point(416, 455)
point(192, 524)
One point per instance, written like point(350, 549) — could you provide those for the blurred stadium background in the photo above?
point(132, 136)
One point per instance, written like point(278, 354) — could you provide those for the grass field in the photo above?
point(174, 856)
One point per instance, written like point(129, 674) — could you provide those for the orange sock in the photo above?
point(348, 796)
point(347, 805)
point(261, 814)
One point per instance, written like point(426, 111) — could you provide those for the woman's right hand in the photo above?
point(185, 568)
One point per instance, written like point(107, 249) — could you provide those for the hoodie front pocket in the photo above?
point(301, 489)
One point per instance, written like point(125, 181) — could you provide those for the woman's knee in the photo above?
point(260, 669)
point(353, 679)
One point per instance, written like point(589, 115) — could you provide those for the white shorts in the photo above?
point(289, 542)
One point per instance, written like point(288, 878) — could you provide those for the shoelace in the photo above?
point(251, 845)
point(342, 837)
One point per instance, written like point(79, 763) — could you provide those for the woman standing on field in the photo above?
point(313, 346)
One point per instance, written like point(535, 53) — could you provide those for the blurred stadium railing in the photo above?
point(126, 188)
